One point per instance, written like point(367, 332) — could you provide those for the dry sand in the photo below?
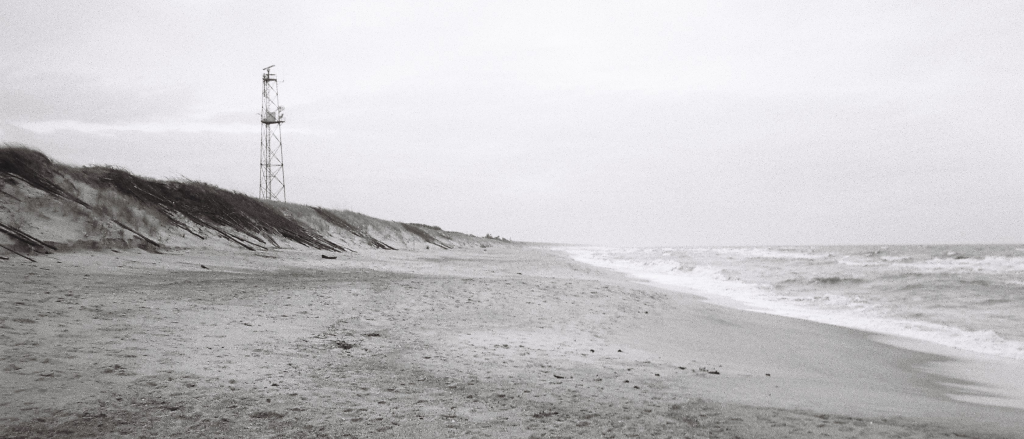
point(460, 343)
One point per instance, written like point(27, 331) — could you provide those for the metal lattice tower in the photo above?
point(271, 147)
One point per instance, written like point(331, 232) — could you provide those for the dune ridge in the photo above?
point(48, 206)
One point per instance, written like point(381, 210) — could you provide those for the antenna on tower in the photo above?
point(271, 147)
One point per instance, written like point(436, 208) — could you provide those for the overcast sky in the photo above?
point(618, 123)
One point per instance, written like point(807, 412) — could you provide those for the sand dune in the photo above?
point(46, 206)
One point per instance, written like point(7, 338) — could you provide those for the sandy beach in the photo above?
point(499, 342)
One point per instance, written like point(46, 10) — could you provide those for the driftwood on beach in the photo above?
point(15, 252)
point(24, 237)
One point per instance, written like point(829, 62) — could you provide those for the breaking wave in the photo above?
point(973, 302)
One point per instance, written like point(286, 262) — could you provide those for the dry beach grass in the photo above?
point(512, 342)
point(45, 205)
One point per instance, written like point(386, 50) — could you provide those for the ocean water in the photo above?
point(964, 297)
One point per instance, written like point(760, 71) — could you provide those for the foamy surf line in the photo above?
point(841, 311)
point(990, 362)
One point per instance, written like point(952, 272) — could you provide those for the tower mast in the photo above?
point(271, 147)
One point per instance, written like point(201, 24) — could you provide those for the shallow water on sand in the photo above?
point(964, 297)
point(964, 302)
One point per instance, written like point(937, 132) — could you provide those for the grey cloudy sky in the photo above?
point(624, 123)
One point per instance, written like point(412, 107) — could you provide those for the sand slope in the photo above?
point(461, 343)
point(47, 206)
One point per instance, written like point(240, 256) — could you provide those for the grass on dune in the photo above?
point(196, 207)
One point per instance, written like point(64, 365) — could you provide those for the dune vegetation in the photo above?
point(48, 206)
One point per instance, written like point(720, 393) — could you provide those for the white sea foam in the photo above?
point(997, 264)
point(608, 258)
point(768, 253)
point(845, 310)
point(874, 318)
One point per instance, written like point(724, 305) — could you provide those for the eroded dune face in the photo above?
point(47, 206)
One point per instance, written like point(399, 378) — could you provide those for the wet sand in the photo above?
point(459, 343)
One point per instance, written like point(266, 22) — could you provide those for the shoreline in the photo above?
point(969, 376)
point(502, 343)
point(818, 367)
